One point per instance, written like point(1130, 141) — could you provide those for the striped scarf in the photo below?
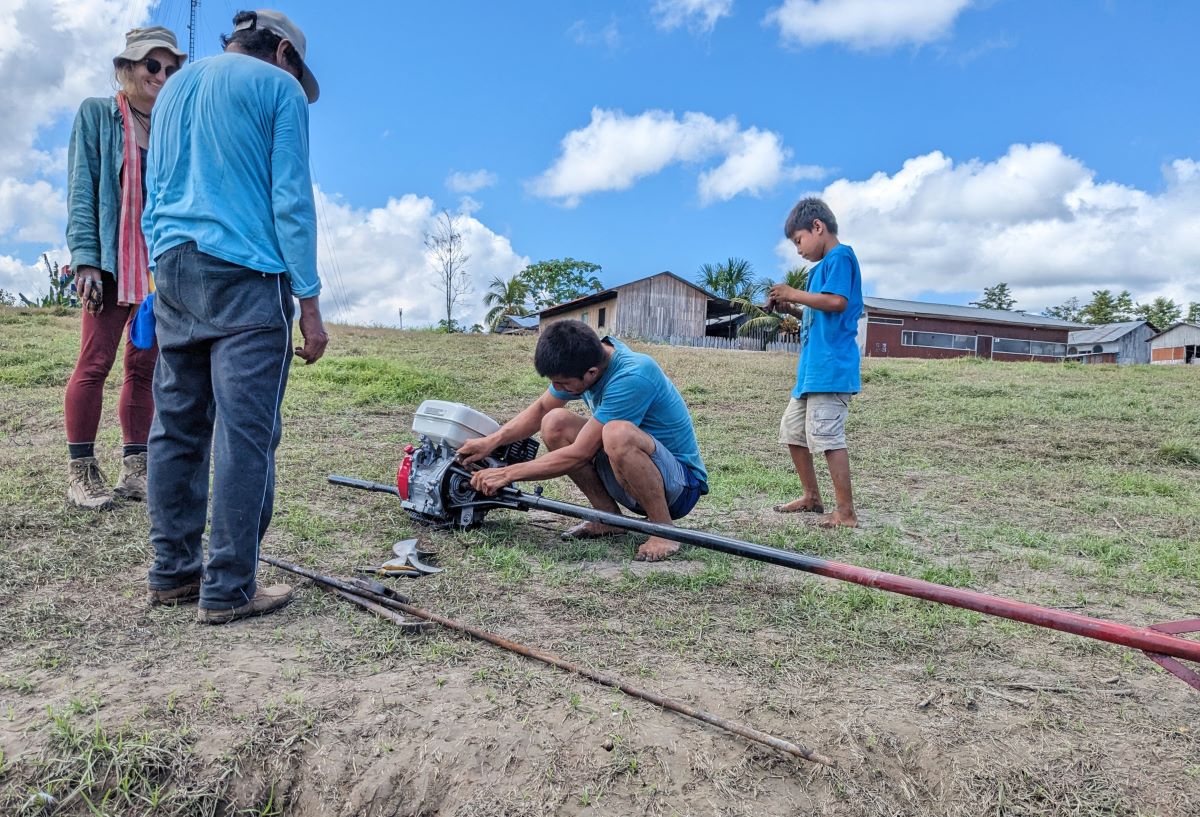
point(133, 269)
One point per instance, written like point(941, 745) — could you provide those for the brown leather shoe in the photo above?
point(87, 487)
point(131, 484)
point(266, 600)
point(184, 594)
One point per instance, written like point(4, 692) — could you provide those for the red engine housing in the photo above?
point(403, 472)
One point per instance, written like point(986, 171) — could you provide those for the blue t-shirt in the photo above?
point(228, 169)
point(633, 388)
point(829, 359)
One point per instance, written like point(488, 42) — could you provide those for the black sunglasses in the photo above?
point(154, 66)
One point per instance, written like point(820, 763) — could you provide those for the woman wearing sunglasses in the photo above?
point(105, 160)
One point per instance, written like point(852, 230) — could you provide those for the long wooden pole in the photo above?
point(385, 606)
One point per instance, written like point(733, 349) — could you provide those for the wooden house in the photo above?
point(659, 307)
point(1120, 343)
point(1178, 345)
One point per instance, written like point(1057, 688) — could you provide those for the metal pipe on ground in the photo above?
point(1158, 642)
point(385, 605)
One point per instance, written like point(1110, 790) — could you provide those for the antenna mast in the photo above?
point(192, 30)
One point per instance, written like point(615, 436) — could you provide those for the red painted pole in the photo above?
point(1141, 638)
point(1161, 643)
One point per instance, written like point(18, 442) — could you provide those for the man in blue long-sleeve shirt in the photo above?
point(231, 227)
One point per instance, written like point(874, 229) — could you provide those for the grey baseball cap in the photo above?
point(278, 23)
point(141, 41)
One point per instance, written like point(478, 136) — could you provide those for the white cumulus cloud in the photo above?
point(864, 24)
point(53, 54)
point(31, 211)
point(374, 262)
point(615, 150)
point(1035, 218)
point(756, 162)
point(698, 15)
point(462, 182)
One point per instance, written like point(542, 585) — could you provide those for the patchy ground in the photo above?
point(1074, 487)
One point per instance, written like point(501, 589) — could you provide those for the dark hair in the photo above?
point(567, 349)
point(259, 42)
point(805, 213)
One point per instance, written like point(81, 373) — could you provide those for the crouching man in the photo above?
point(638, 450)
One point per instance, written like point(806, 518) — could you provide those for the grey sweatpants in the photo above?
point(225, 346)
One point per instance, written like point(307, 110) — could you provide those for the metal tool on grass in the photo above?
point(392, 570)
point(386, 606)
point(409, 552)
point(437, 491)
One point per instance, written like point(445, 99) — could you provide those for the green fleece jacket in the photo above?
point(94, 160)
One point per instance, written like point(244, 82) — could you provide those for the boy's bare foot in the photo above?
point(590, 530)
point(655, 549)
point(838, 519)
point(802, 505)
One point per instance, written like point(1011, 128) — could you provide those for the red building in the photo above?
point(892, 328)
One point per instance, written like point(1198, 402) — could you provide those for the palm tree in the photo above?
point(730, 279)
point(770, 325)
point(505, 298)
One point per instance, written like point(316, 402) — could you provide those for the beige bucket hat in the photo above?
point(278, 23)
point(141, 41)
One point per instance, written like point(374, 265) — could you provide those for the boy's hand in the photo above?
point(782, 293)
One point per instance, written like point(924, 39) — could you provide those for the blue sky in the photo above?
point(1050, 145)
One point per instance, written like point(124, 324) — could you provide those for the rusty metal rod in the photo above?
point(380, 604)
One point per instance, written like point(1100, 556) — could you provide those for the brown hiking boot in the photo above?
point(88, 489)
point(184, 594)
point(266, 600)
point(132, 482)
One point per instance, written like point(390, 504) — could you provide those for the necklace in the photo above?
point(141, 118)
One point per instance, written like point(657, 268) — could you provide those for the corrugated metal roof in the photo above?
point(611, 292)
point(1173, 328)
point(1105, 333)
point(966, 313)
point(586, 300)
point(525, 321)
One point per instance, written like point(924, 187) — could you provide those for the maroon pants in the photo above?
point(97, 351)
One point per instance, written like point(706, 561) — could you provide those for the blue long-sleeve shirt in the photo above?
point(228, 169)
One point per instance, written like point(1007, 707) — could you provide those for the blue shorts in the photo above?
point(681, 487)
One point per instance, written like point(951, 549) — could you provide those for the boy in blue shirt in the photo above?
point(637, 450)
point(827, 374)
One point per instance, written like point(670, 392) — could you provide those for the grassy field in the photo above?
point(1067, 486)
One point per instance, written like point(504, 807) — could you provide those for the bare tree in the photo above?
point(445, 245)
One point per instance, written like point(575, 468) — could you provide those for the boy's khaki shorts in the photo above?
point(816, 422)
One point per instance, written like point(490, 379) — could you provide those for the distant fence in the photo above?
point(746, 343)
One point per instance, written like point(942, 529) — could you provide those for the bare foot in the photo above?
point(590, 530)
point(838, 519)
point(804, 504)
point(655, 549)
